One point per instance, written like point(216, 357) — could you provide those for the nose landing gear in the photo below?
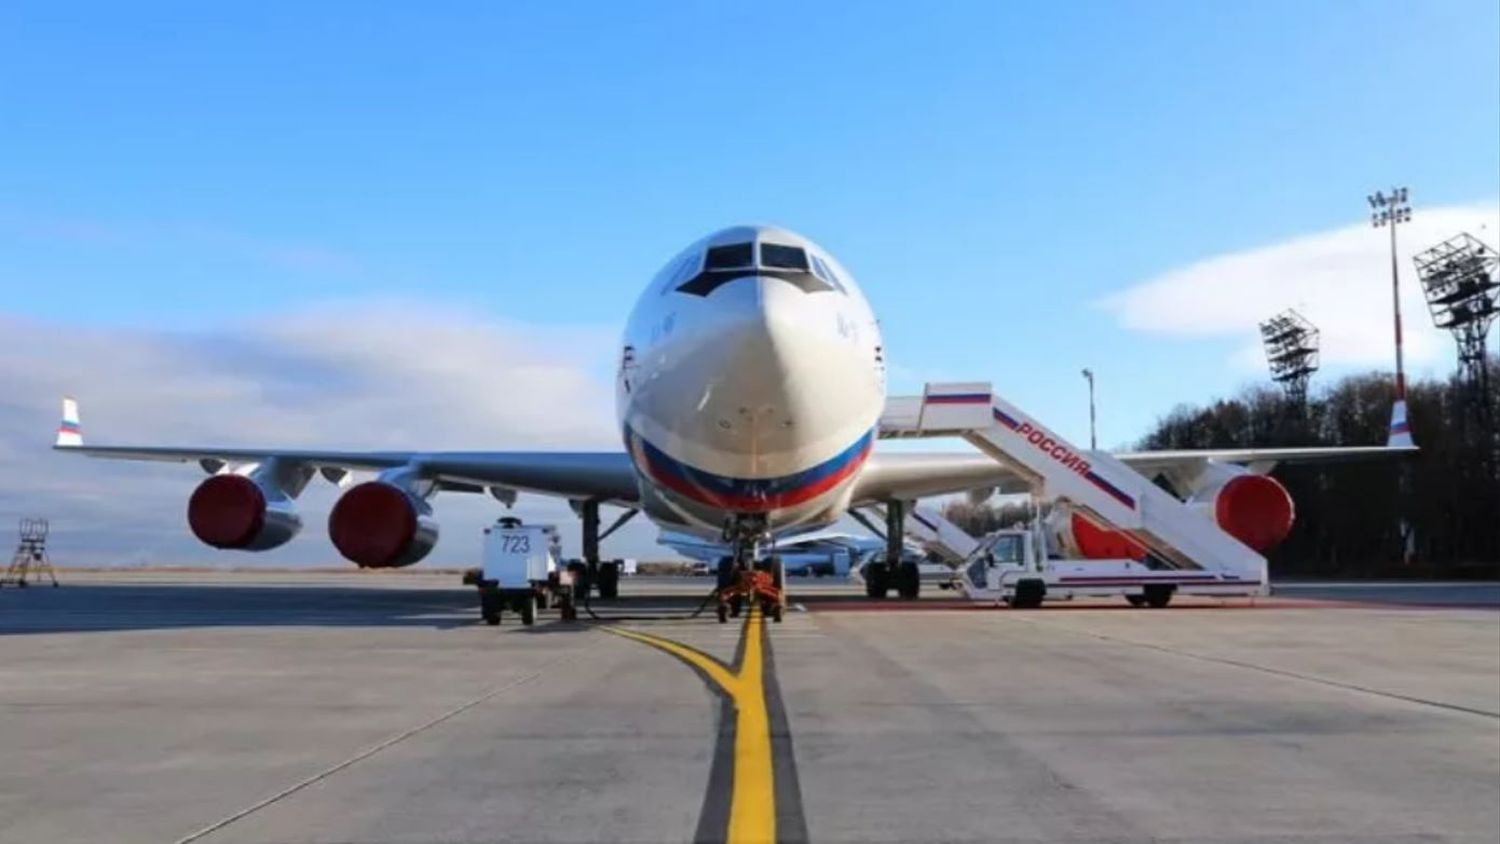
point(742, 578)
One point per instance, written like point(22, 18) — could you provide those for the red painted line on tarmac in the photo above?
point(1093, 605)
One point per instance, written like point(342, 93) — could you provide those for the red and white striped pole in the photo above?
point(1391, 211)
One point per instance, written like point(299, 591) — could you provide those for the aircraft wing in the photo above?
point(604, 475)
point(601, 475)
point(1150, 463)
point(910, 476)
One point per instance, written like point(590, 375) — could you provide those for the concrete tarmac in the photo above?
point(358, 708)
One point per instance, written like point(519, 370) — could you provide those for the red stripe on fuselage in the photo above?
point(748, 504)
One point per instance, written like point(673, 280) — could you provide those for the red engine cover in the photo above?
point(1256, 510)
point(373, 525)
point(1097, 543)
point(227, 511)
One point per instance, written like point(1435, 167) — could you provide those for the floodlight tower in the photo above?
point(1392, 210)
point(1460, 280)
point(1292, 351)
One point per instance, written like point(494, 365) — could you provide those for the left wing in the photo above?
point(908, 476)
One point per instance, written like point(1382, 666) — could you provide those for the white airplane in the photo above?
point(751, 380)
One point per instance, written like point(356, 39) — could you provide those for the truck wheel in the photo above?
point(1136, 600)
point(528, 612)
point(1029, 595)
point(609, 580)
point(1158, 595)
point(489, 605)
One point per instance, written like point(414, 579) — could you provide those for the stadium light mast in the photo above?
point(1391, 211)
point(1093, 438)
point(1292, 352)
point(1460, 281)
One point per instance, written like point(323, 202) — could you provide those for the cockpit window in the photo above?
point(825, 272)
point(730, 257)
point(733, 261)
point(783, 257)
point(681, 271)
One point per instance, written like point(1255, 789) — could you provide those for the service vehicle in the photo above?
point(519, 572)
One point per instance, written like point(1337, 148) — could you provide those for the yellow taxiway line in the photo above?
point(752, 806)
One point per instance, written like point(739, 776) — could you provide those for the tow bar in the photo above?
point(752, 586)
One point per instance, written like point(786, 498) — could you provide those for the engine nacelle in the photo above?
point(379, 524)
point(1255, 509)
point(237, 512)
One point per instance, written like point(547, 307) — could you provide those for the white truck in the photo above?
point(519, 572)
point(1012, 566)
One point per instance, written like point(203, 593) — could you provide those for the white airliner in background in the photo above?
point(750, 385)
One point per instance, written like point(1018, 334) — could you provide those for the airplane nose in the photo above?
point(769, 365)
point(772, 334)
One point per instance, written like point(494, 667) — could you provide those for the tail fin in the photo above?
point(69, 433)
point(1400, 435)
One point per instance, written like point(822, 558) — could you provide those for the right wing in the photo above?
point(602, 475)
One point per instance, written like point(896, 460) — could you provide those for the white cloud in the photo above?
point(1338, 279)
point(393, 375)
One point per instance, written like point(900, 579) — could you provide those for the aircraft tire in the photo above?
point(877, 582)
point(609, 580)
point(908, 581)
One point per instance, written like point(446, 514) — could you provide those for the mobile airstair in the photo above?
point(1188, 552)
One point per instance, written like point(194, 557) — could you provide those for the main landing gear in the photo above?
point(893, 572)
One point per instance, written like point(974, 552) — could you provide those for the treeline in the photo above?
point(1434, 515)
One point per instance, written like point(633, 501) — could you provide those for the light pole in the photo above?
point(1391, 211)
point(1093, 439)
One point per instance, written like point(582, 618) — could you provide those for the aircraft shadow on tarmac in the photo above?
point(92, 607)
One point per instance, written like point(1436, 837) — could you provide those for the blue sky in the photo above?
point(991, 172)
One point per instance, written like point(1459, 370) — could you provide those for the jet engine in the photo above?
point(238, 512)
point(1255, 509)
point(382, 523)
